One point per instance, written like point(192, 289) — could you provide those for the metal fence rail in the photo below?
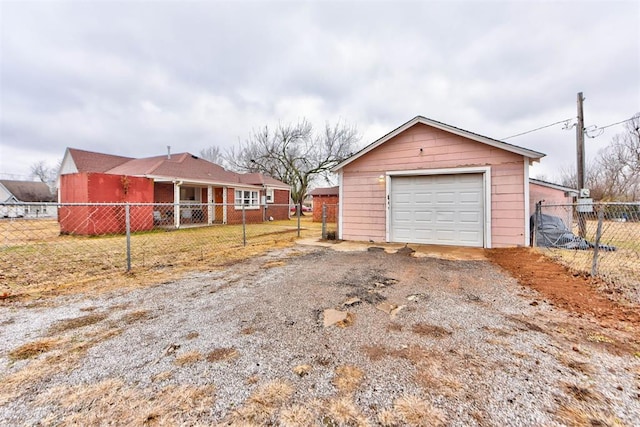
point(80, 241)
point(600, 239)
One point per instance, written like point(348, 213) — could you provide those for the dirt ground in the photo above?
point(572, 291)
point(420, 338)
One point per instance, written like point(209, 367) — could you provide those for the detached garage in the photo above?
point(430, 183)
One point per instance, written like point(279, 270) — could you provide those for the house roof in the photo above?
point(89, 161)
point(531, 154)
point(29, 191)
point(179, 166)
point(326, 191)
point(552, 185)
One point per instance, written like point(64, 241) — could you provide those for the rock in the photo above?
point(386, 306)
point(302, 370)
point(332, 316)
point(351, 301)
point(405, 251)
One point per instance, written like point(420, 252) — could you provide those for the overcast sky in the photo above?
point(131, 77)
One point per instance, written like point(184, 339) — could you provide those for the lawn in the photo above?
point(36, 259)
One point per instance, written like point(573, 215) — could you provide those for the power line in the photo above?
point(566, 122)
point(600, 130)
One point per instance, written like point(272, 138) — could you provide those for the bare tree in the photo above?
point(212, 154)
point(294, 154)
point(615, 172)
point(45, 173)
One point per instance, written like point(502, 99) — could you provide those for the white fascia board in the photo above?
point(527, 229)
point(340, 203)
point(531, 154)
point(198, 182)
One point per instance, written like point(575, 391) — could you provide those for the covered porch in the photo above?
point(187, 203)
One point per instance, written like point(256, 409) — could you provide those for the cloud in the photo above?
point(132, 77)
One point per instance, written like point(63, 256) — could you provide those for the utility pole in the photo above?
point(580, 142)
point(582, 221)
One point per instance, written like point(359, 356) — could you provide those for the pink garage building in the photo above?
point(428, 182)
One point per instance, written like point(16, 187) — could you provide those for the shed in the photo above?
point(328, 196)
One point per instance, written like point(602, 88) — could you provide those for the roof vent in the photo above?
point(168, 152)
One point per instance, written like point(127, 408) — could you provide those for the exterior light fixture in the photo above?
point(381, 178)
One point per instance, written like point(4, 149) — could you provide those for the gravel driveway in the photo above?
point(419, 341)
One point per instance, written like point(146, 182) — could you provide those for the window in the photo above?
point(270, 196)
point(247, 198)
point(189, 194)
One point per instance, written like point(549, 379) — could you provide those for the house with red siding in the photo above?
point(428, 182)
point(191, 190)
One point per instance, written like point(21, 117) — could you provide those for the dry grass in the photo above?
point(188, 358)
point(33, 349)
point(222, 354)
point(585, 415)
point(263, 404)
point(296, 416)
point(434, 331)
point(348, 378)
point(37, 261)
point(618, 268)
point(78, 322)
point(112, 402)
point(192, 335)
point(418, 412)
point(342, 411)
point(135, 316)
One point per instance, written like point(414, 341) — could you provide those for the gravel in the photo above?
point(505, 361)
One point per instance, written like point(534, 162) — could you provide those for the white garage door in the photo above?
point(437, 209)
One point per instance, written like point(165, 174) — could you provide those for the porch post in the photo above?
point(176, 204)
point(224, 205)
point(210, 210)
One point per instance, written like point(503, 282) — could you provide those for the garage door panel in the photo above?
point(470, 217)
point(438, 209)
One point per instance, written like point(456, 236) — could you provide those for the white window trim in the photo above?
point(486, 178)
point(255, 202)
point(270, 195)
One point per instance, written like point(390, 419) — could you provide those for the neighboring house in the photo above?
point(200, 192)
point(431, 183)
point(325, 196)
point(29, 198)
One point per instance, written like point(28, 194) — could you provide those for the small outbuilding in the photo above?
point(428, 182)
point(328, 196)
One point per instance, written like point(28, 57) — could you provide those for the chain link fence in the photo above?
point(84, 241)
point(600, 239)
point(329, 218)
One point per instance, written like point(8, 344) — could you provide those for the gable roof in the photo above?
point(325, 191)
point(531, 154)
point(179, 166)
point(29, 191)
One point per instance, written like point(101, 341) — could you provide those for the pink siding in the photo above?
point(551, 196)
point(363, 198)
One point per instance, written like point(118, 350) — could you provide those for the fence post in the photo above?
point(536, 219)
point(324, 221)
point(244, 227)
point(596, 248)
point(127, 221)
